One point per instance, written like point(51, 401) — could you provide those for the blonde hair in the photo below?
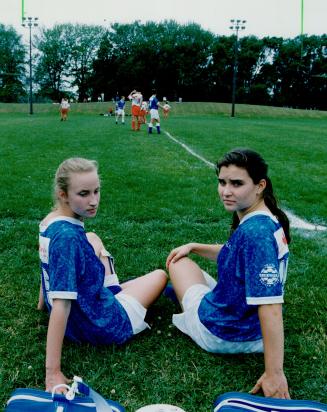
point(66, 168)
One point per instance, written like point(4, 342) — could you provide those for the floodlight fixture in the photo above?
point(30, 22)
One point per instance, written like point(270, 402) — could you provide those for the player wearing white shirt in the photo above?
point(64, 108)
point(136, 99)
point(166, 109)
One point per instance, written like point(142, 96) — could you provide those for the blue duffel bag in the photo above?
point(244, 402)
point(34, 400)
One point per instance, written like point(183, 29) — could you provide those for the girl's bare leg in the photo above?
point(146, 289)
point(41, 303)
point(183, 274)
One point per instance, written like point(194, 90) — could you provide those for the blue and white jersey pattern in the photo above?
point(71, 270)
point(153, 103)
point(121, 104)
point(252, 268)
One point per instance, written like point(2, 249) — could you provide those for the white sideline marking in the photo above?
point(188, 149)
point(295, 221)
point(298, 223)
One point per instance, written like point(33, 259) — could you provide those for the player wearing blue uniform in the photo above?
point(154, 113)
point(242, 312)
point(120, 110)
point(116, 100)
point(79, 283)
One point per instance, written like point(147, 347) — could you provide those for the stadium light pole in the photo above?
point(236, 26)
point(302, 26)
point(30, 22)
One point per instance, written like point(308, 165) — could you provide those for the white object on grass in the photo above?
point(160, 407)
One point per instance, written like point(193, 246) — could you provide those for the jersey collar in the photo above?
point(257, 213)
point(60, 218)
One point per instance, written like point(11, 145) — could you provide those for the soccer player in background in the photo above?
point(136, 98)
point(154, 112)
point(143, 112)
point(166, 109)
point(120, 111)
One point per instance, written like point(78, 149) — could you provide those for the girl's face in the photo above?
point(237, 191)
point(83, 197)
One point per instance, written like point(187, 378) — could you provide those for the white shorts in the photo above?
point(154, 113)
point(135, 311)
point(189, 323)
point(120, 112)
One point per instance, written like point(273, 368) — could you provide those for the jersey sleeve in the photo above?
point(263, 283)
point(65, 263)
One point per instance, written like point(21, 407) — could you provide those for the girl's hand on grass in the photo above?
point(274, 386)
point(41, 305)
point(178, 253)
point(56, 378)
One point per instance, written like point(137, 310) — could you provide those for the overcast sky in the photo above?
point(264, 17)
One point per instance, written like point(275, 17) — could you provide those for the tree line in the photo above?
point(178, 60)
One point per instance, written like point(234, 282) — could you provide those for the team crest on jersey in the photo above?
point(269, 275)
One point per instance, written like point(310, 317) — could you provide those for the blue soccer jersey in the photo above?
point(252, 269)
point(153, 103)
point(121, 104)
point(71, 270)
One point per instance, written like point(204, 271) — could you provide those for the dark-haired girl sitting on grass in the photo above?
point(242, 312)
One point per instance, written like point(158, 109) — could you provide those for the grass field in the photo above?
point(155, 196)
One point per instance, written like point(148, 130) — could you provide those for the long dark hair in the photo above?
point(257, 169)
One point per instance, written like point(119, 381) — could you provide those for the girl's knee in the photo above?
point(160, 273)
point(161, 276)
point(177, 267)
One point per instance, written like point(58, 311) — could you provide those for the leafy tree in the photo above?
point(84, 44)
point(52, 72)
point(314, 64)
point(66, 57)
point(178, 60)
point(251, 59)
point(166, 56)
point(12, 70)
point(185, 60)
point(294, 71)
point(105, 66)
point(192, 63)
point(267, 80)
point(222, 61)
point(126, 59)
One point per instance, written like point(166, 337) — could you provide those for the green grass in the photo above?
point(155, 196)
